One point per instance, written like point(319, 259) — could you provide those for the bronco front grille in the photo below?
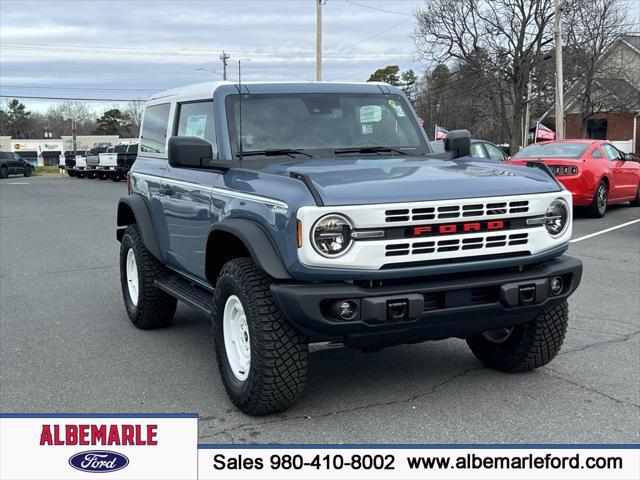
point(456, 211)
point(420, 247)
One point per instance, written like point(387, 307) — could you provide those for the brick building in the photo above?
point(616, 93)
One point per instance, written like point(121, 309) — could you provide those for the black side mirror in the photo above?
point(189, 152)
point(629, 157)
point(458, 142)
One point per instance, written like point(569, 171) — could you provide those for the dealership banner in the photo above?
point(149, 446)
point(116, 446)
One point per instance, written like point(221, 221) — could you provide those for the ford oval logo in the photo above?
point(98, 461)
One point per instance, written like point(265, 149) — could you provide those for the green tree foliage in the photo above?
point(114, 122)
point(388, 74)
point(15, 120)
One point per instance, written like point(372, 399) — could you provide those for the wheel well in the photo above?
point(125, 217)
point(605, 180)
point(221, 247)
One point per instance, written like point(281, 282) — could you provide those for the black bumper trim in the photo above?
point(309, 307)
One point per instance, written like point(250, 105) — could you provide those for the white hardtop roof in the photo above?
point(207, 88)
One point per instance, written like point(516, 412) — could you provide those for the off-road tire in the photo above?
point(28, 171)
point(636, 201)
point(103, 176)
point(92, 175)
point(278, 367)
point(155, 308)
point(4, 172)
point(114, 177)
point(595, 210)
point(80, 174)
point(530, 346)
point(71, 173)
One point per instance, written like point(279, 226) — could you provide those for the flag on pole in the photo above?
point(544, 133)
point(440, 133)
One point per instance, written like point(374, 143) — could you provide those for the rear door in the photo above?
point(621, 185)
point(186, 193)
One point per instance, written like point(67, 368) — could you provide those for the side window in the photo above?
point(154, 129)
point(596, 153)
point(611, 152)
point(477, 151)
point(195, 119)
point(494, 153)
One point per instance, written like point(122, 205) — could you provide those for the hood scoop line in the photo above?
point(304, 178)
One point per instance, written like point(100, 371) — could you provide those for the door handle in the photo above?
point(166, 191)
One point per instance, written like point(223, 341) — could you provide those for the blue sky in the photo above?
point(128, 49)
point(122, 49)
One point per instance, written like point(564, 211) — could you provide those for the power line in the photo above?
point(378, 9)
point(41, 87)
point(332, 54)
point(31, 97)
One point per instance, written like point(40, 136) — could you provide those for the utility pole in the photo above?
point(559, 76)
point(527, 112)
point(224, 57)
point(73, 135)
point(319, 4)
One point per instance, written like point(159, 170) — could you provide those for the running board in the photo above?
point(186, 292)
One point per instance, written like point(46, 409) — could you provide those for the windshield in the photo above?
point(573, 150)
point(320, 124)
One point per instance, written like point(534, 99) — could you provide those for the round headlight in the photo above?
point(331, 235)
point(557, 217)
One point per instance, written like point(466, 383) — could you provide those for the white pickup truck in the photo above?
point(116, 164)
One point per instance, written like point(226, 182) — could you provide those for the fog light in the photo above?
point(347, 309)
point(556, 285)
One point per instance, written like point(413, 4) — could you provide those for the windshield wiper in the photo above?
point(272, 152)
point(369, 149)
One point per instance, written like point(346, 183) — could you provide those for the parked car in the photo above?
point(479, 149)
point(117, 163)
point(93, 161)
point(594, 171)
point(318, 211)
point(12, 163)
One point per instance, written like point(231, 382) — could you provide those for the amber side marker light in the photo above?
point(299, 234)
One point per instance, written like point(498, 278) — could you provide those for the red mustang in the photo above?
point(594, 171)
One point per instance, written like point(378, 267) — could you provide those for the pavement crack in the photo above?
point(623, 338)
point(55, 272)
point(556, 374)
point(228, 431)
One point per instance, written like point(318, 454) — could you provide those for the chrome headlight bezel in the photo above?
point(346, 223)
point(562, 204)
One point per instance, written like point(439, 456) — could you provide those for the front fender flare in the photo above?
point(258, 243)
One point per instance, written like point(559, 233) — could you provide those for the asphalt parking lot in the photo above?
point(66, 345)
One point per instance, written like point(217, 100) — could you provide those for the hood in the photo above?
point(352, 181)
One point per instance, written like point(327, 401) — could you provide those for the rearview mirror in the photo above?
point(458, 142)
point(189, 152)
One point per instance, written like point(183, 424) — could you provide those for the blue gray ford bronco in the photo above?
point(294, 213)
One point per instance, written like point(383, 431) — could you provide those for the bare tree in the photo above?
point(591, 29)
point(499, 41)
point(134, 109)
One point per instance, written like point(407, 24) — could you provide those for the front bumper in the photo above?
point(434, 308)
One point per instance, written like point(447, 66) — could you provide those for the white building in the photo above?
point(46, 151)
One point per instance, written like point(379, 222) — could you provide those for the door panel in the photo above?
point(186, 202)
point(618, 187)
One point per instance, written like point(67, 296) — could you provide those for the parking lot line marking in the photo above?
point(606, 230)
point(18, 183)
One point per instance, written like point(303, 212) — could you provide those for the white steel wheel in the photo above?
point(237, 342)
point(132, 277)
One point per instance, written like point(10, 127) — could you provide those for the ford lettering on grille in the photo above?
point(456, 228)
point(98, 461)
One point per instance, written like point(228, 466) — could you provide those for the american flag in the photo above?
point(440, 133)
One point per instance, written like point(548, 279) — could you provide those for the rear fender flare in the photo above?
point(134, 209)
